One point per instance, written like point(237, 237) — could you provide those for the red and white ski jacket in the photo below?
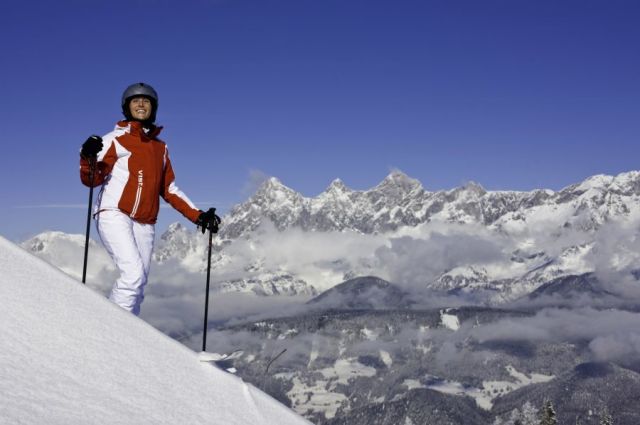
point(134, 170)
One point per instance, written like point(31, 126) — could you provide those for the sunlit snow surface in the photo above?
point(69, 356)
point(490, 389)
point(450, 321)
point(322, 395)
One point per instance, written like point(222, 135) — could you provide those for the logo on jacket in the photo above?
point(139, 178)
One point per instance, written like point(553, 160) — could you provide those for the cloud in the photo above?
point(324, 259)
point(42, 206)
point(621, 346)
point(414, 261)
point(175, 295)
point(412, 257)
point(320, 258)
point(620, 329)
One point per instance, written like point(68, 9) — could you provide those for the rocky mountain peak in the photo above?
point(45, 240)
point(272, 191)
point(626, 183)
point(337, 185)
point(470, 189)
point(172, 230)
point(399, 179)
point(597, 182)
point(336, 193)
point(270, 185)
point(398, 186)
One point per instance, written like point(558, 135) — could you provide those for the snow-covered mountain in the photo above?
point(363, 293)
point(71, 357)
point(471, 295)
point(499, 245)
point(541, 235)
point(400, 200)
point(63, 250)
point(397, 201)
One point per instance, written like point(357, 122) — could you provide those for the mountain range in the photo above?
point(400, 200)
point(496, 245)
point(463, 306)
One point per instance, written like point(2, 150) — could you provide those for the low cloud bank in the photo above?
point(415, 262)
point(610, 334)
point(411, 257)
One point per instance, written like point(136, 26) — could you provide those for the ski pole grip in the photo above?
point(92, 168)
point(216, 221)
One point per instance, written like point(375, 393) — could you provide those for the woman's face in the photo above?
point(140, 108)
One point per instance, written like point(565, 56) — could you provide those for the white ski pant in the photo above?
point(130, 245)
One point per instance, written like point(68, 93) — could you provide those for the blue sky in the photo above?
point(512, 94)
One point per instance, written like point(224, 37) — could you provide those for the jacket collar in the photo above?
point(135, 128)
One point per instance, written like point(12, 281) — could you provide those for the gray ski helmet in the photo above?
point(140, 89)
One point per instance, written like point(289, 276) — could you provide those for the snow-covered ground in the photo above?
point(489, 391)
point(449, 321)
point(68, 356)
point(322, 395)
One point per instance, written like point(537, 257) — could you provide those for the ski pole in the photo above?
point(206, 299)
point(92, 170)
point(212, 229)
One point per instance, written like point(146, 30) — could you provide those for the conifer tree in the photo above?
point(606, 418)
point(527, 415)
point(548, 414)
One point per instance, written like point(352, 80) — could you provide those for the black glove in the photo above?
point(208, 221)
point(91, 147)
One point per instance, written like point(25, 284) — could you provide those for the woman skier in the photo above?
point(133, 167)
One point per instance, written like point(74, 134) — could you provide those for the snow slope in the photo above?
point(68, 356)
